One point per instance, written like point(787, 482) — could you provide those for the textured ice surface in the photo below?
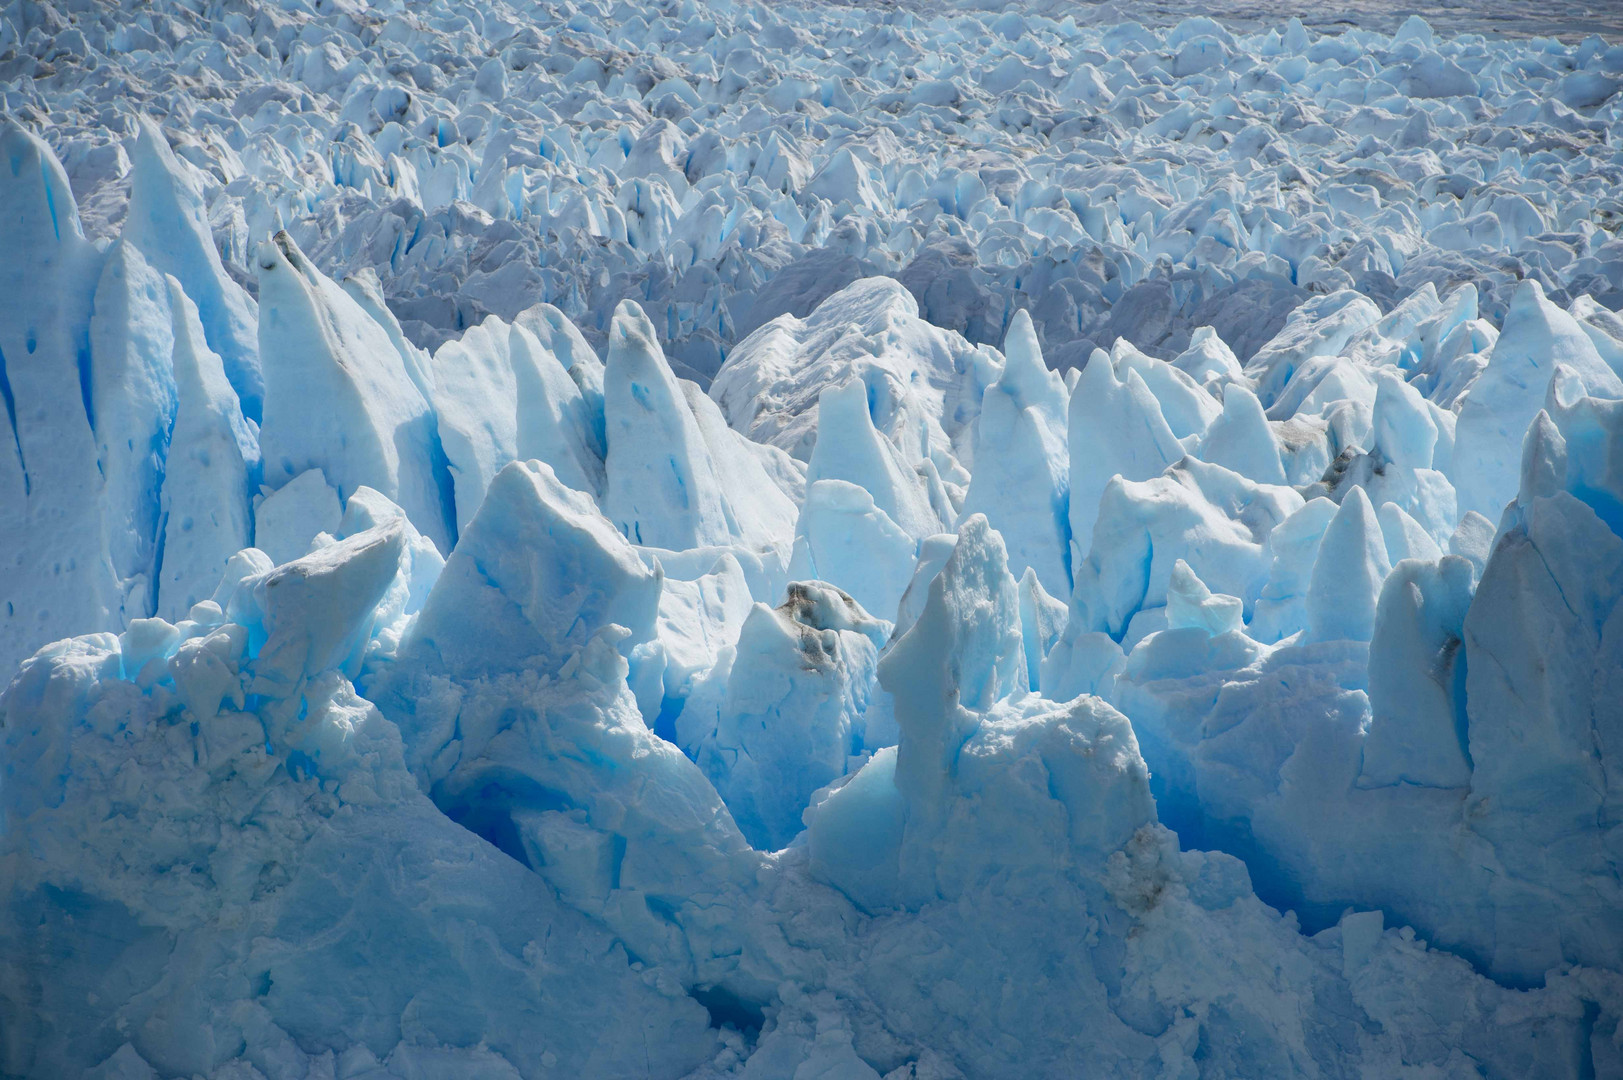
point(700, 540)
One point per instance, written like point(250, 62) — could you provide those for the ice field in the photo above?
point(825, 542)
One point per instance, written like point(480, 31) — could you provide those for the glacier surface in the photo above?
point(704, 540)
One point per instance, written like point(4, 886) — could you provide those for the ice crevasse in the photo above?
point(917, 698)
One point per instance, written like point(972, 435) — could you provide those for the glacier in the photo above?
point(707, 540)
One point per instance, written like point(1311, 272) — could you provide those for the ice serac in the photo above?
point(1115, 429)
point(1042, 619)
point(132, 397)
point(510, 693)
point(1543, 645)
point(338, 396)
point(790, 719)
point(926, 382)
point(1193, 606)
point(1418, 729)
point(1405, 537)
point(850, 448)
point(211, 457)
point(168, 221)
point(419, 567)
point(317, 612)
point(761, 484)
point(1209, 360)
point(1319, 328)
point(538, 572)
point(1240, 439)
point(1187, 409)
point(959, 679)
point(1403, 426)
point(288, 520)
point(661, 487)
point(1347, 573)
point(1494, 414)
point(57, 577)
point(700, 616)
point(963, 655)
point(500, 396)
point(843, 538)
point(1021, 480)
point(563, 340)
point(1292, 551)
point(366, 290)
point(1216, 520)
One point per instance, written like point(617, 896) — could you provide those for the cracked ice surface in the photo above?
point(755, 541)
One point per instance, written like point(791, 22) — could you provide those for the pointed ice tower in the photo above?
point(1115, 429)
point(963, 655)
point(1417, 730)
point(538, 572)
point(212, 455)
point(662, 489)
point(842, 537)
point(850, 448)
point(168, 221)
point(132, 397)
point(500, 396)
point(366, 290)
point(1022, 467)
point(1347, 577)
point(55, 575)
point(986, 777)
point(338, 396)
point(1495, 412)
point(789, 718)
point(1240, 439)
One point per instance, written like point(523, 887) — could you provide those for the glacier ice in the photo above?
point(703, 540)
point(205, 508)
point(328, 354)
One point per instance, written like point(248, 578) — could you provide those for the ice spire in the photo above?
point(338, 396)
point(1495, 412)
point(962, 656)
point(1022, 468)
point(1115, 429)
point(168, 221)
point(662, 489)
point(1347, 576)
point(55, 575)
point(1240, 439)
point(850, 448)
point(212, 454)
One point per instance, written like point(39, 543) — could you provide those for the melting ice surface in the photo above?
point(750, 541)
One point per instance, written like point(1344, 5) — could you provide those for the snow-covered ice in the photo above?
point(699, 540)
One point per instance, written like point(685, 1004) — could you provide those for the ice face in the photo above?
point(328, 354)
point(1537, 336)
point(168, 217)
point(212, 457)
point(710, 542)
point(1022, 466)
point(500, 395)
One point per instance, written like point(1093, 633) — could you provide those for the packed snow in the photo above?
point(702, 540)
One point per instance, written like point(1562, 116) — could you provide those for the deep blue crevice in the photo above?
point(11, 416)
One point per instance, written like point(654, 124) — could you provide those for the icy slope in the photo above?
point(772, 542)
